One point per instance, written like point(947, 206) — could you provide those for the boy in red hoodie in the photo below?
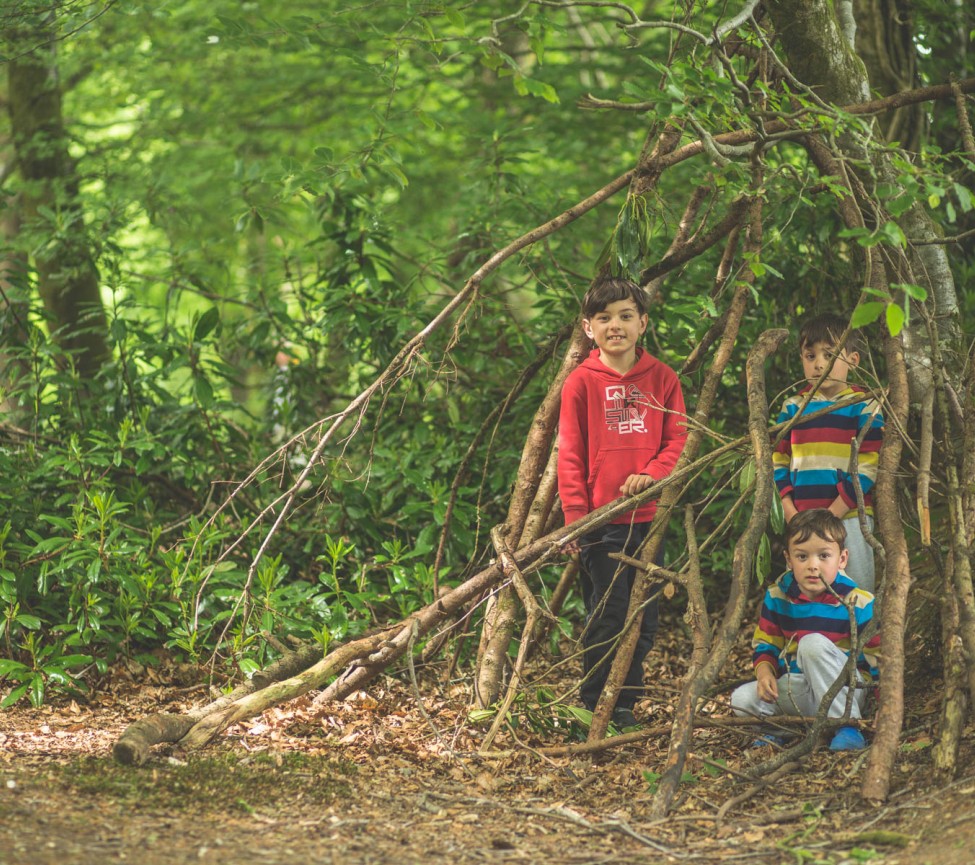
point(621, 429)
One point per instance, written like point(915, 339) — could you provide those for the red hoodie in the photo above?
point(612, 426)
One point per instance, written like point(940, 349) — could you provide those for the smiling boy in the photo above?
point(803, 638)
point(621, 429)
point(812, 462)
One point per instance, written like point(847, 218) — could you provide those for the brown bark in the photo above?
point(132, 748)
point(67, 279)
point(954, 706)
point(896, 582)
point(742, 566)
point(500, 615)
point(961, 570)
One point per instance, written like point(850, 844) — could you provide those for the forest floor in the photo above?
point(385, 777)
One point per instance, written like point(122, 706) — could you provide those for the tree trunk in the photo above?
point(885, 44)
point(742, 567)
point(499, 618)
point(896, 584)
point(820, 52)
point(13, 310)
point(67, 279)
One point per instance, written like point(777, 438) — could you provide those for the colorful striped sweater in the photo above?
point(812, 462)
point(788, 615)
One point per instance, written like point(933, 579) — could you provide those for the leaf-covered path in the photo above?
point(377, 780)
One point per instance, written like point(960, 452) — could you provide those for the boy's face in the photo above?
point(816, 357)
point(616, 330)
point(815, 562)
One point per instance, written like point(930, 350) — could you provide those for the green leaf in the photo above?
point(66, 661)
point(916, 292)
point(895, 319)
point(964, 196)
point(14, 696)
point(206, 323)
point(763, 559)
point(204, 391)
point(535, 87)
point(893, 234)
point(37, 691)
point(866, 313)
point(777, 517)
point(747, 476)
point(248, 666)
point(8, 667)
point(32, 623)
point(455, 18)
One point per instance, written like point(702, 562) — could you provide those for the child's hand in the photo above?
point(768, 683)
point(571, 548)
point(635, 484)
point(789, 509)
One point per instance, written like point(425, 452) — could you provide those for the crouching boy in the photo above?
point(803, 637)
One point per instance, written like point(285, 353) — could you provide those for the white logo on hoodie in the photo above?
point(623, 411)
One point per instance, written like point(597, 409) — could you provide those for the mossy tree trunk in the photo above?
point(819, 39)
point(52, 216)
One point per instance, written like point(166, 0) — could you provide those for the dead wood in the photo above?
point(534, 614)
point(133, 745)
point(896, 581)
point(501, 612)
point(759, 787)
point(742, 565)
point(954, 706)
point(960, 538)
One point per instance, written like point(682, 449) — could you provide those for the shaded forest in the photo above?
point(288, 298)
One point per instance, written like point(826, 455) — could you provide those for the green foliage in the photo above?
point(542, 713)
point(313, 184)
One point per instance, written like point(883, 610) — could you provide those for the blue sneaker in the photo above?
point(848, 739)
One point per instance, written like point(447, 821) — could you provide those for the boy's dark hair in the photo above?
point(816, 521)
point(610, 290)
point(828, 327)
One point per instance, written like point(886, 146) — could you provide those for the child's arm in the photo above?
point(572, 460)
point(768, 682)
point(782, 465)
point(789, 508)
point(839, 508)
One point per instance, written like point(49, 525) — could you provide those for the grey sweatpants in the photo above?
point(860, 567)
point(822, 663)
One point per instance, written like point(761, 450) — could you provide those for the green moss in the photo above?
point(262, 783)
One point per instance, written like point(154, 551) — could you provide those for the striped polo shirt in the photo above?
point(788, 615)
point(812, 462)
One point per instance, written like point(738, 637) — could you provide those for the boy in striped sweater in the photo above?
point(812, 462)
point(804, 635)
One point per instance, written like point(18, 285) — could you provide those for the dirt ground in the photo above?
point(387, 778)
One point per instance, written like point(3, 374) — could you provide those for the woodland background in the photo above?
point(283, 289)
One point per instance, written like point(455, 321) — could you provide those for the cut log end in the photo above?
point(132, 748)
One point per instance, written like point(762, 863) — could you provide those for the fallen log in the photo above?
point(133, 745)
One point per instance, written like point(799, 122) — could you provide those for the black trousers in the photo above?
point(606, 589)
